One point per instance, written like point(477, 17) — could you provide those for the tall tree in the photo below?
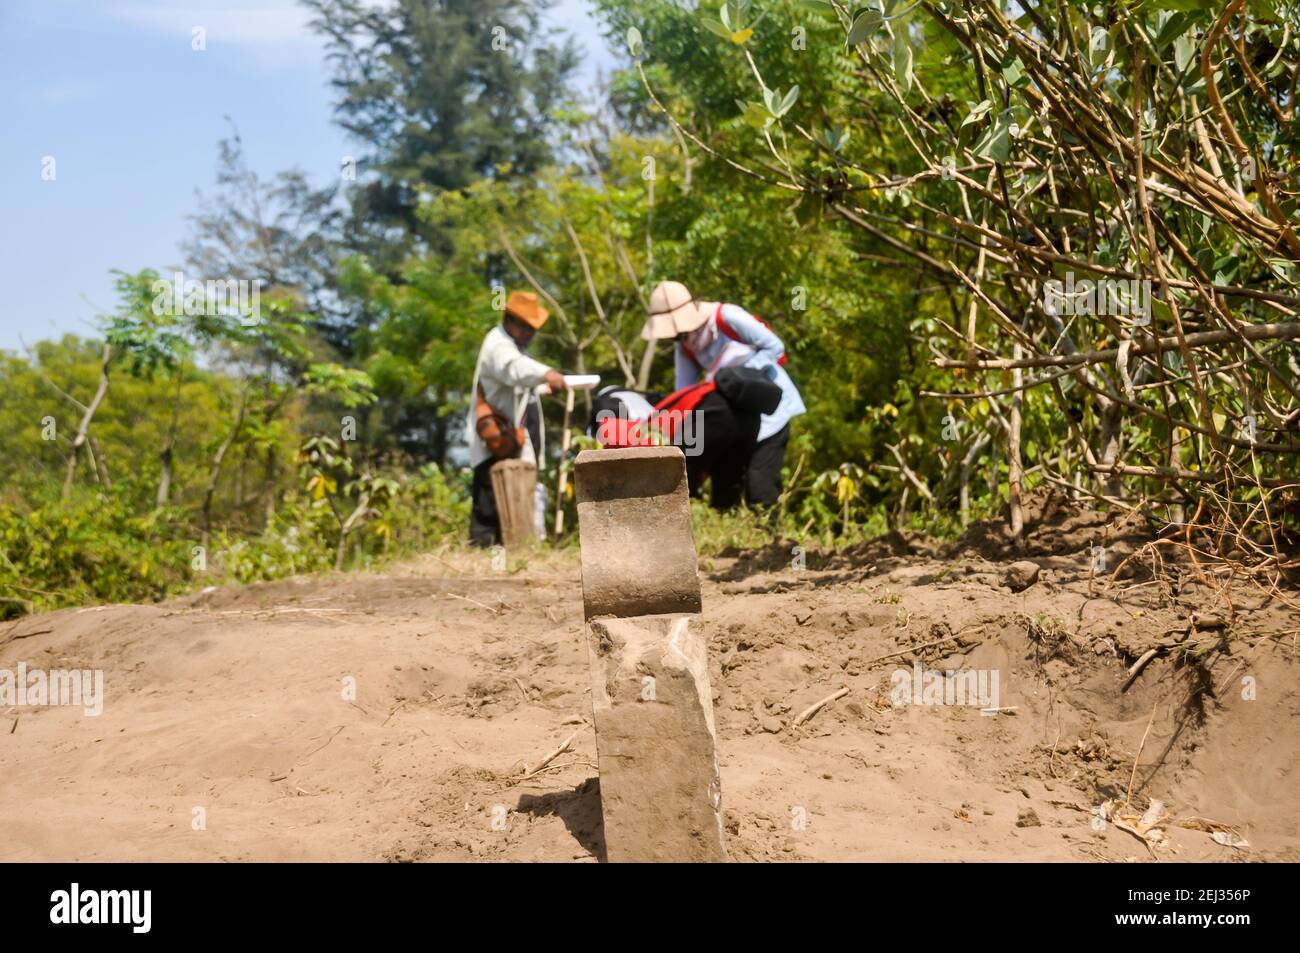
point(440, 93)
point(279, 230)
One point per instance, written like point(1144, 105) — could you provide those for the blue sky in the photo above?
point(131, 114)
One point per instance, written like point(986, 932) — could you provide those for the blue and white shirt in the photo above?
point(739, 338)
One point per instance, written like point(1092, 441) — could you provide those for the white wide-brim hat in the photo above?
point(673, 311)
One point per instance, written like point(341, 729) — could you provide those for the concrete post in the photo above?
point(661, 793)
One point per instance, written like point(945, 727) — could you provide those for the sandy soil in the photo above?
point(229, 707)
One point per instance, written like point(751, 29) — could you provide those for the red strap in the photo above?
point(617, 432)
point(687, 398)
point(726, 328)
point(730, 332)
point(670, 411)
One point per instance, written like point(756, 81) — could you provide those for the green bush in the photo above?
point(92, 549)
point(88, 548)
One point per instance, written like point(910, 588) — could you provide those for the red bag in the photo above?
point(502, 440)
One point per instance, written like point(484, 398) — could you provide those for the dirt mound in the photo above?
point(1055, 525)
point(395, 715)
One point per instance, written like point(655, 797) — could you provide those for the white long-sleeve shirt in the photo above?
point(757, 347)
point(508, 377)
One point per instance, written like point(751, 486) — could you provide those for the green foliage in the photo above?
point(346, 386)
point(88, 548)
point(422, 510)
point(421, 338)
point(131, 425)
point(910, 200)
point(886, 184)
point(94, 547)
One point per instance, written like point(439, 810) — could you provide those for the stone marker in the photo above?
point(660, 790)
point(634, 524)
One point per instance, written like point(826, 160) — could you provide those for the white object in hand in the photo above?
point(581, 381)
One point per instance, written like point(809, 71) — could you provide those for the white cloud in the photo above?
point(57, 94)
point(274, 31)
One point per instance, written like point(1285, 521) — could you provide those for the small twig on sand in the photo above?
point(475, 602)
point(530, 772)
point(1136, 669)
point(457, 570)
point(1128, 797)
point(392, 713)
point(314, 750)
point(555, 767)
point(1240, 665)
point(267, 611)
point(817, 706)
point(522, 691)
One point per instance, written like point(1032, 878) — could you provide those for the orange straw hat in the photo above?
point(673, 311)
point(525, 306)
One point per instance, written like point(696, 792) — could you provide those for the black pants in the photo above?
point(484, 521)
point(763, 477)
point(726, 440)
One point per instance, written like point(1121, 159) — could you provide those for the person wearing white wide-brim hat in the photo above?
point(674, 311)
point(711, 335)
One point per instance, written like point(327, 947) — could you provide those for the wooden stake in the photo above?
point(562, 481)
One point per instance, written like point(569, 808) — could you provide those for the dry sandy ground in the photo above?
point(227, 712)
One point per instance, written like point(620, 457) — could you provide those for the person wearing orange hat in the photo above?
point(713, 335)
point(505, 416)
